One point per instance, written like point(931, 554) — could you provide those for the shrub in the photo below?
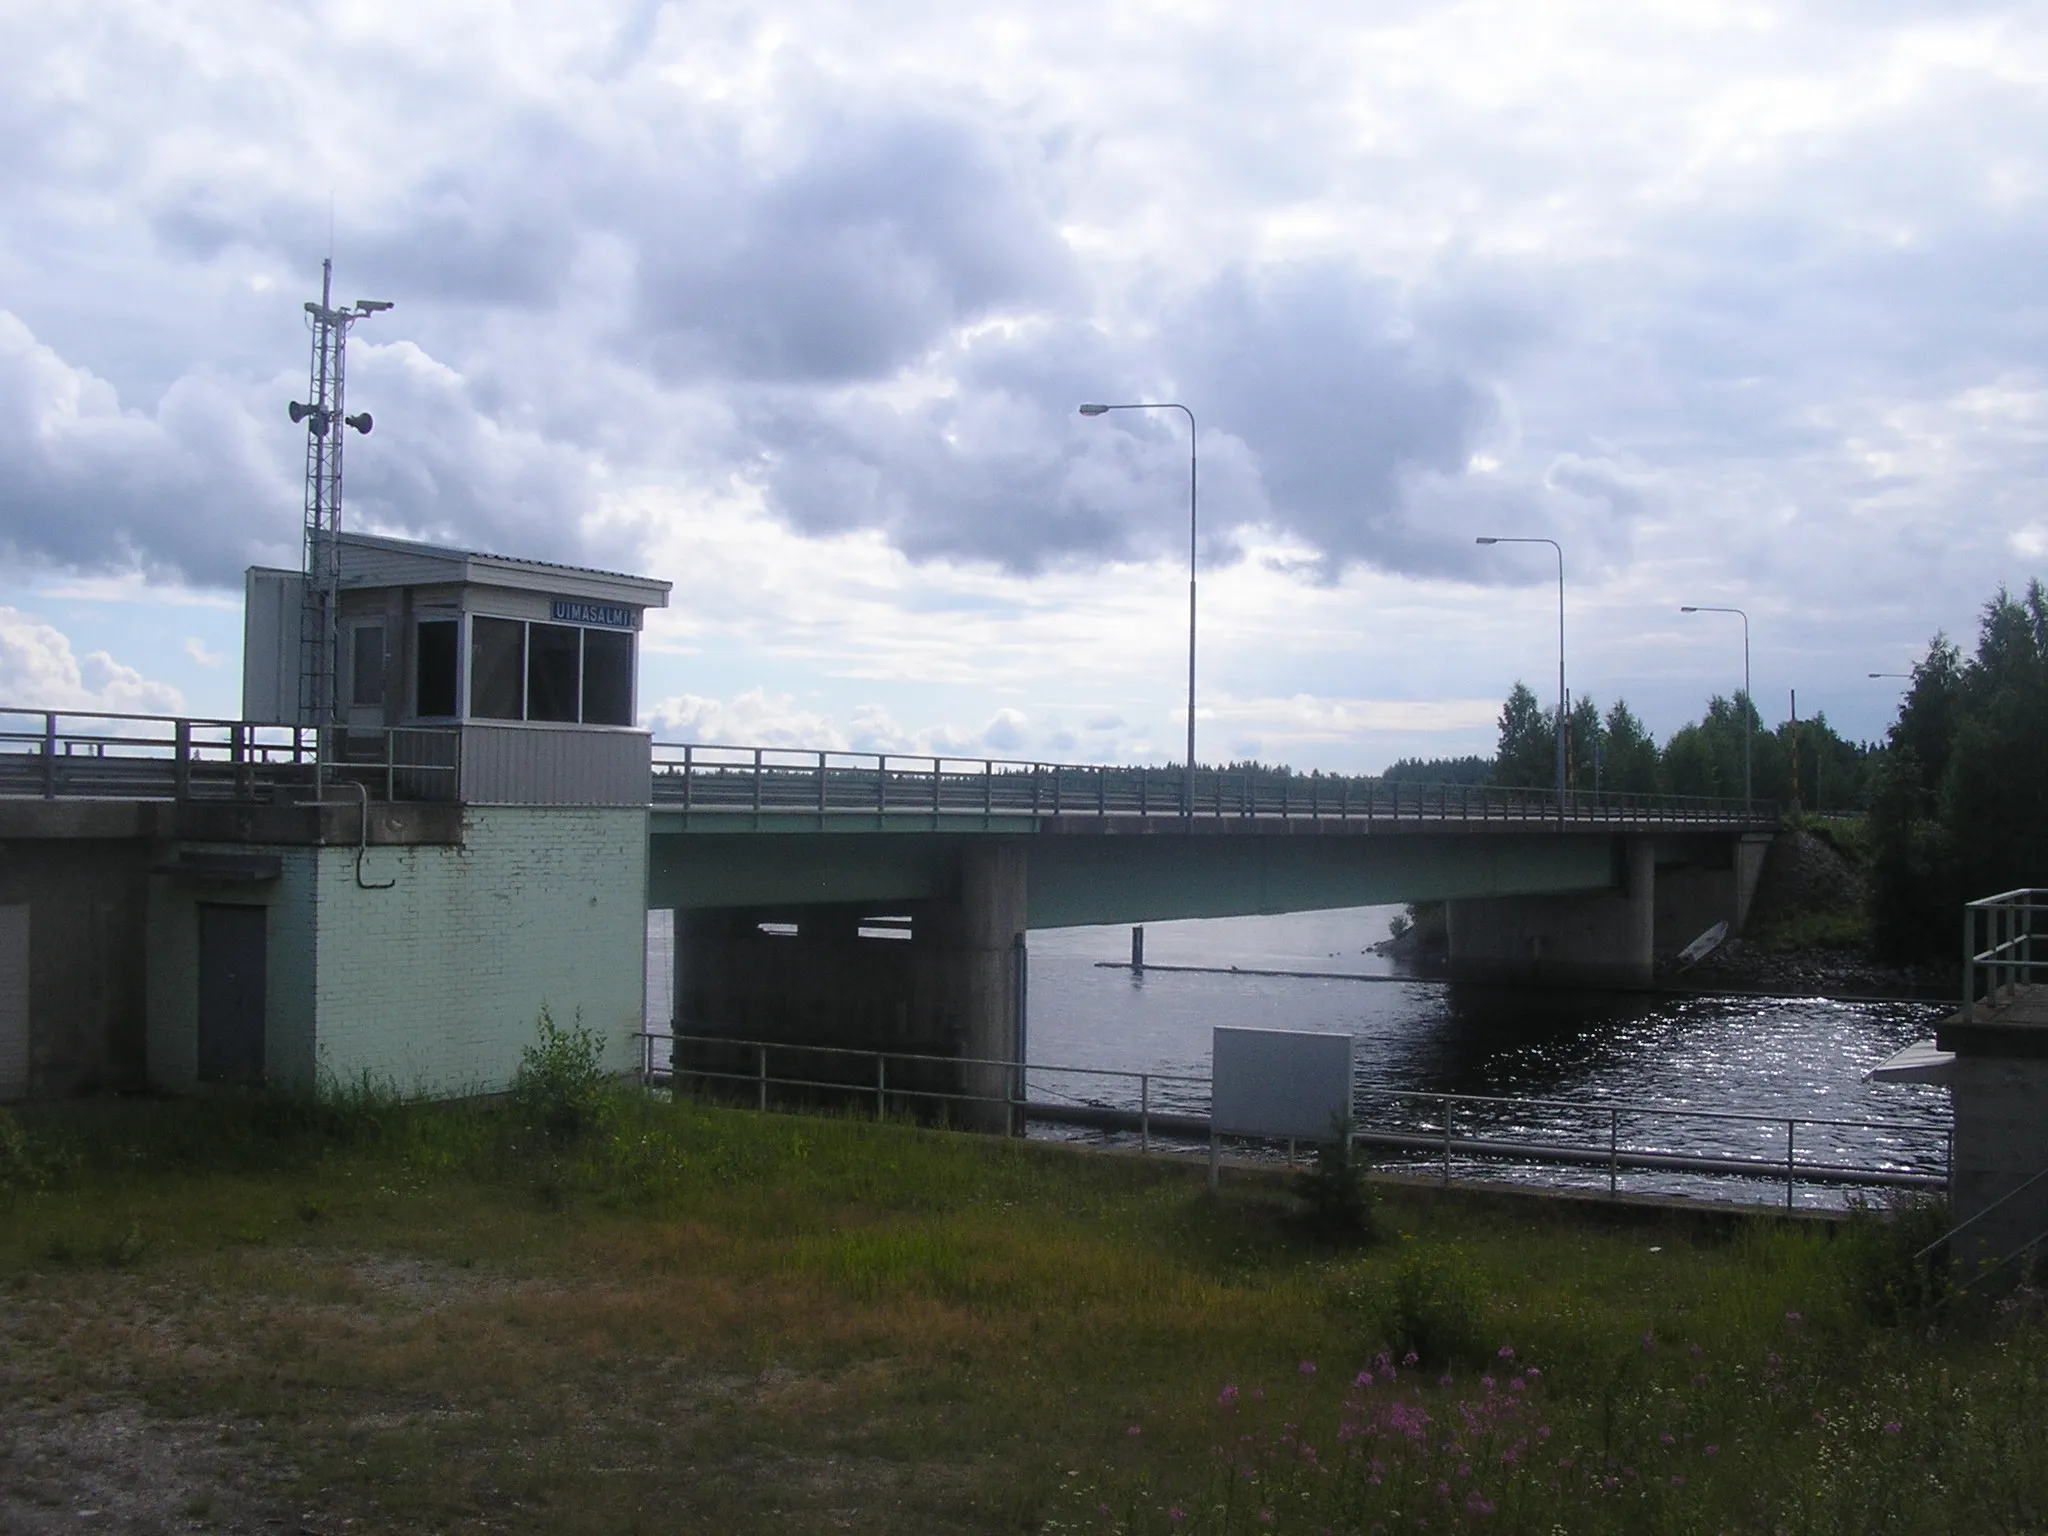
point(560, 1086)
point(1435, 1311)
point(1341, 1205)
point(1885, 1281)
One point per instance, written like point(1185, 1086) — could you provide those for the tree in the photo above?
point(1585, 744)
point(1632, 760)
point(1960, 808)
point(1527, 757)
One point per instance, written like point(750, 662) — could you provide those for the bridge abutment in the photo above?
point(1596, 939)
point(931, 977)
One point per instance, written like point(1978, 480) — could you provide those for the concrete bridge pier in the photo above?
point(933, 976)
point(1590, 939)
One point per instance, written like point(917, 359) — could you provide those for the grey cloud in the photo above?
point(861, 256)
point(192, 490)
point(1340, 398)
point(1318, 400)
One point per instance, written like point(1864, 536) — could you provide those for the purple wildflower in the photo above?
point(1227, 1397)
point(1894, 1427)
point(1308, 1367)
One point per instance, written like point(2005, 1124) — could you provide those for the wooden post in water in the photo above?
point(1138, 947)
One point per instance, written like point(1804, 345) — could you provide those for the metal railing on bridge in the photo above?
point(758, 780)
point(65, 755)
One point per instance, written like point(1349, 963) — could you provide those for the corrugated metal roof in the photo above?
point(447, 553)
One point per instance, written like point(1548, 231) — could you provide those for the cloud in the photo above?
point(759, 718)
point(39, 670)
point(186, 491)
point(878, 237)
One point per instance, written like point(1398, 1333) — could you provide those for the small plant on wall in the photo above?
point(560, 1086)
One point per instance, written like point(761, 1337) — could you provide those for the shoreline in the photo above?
point(1655, 989)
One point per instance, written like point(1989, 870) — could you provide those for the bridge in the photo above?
point(872, 900)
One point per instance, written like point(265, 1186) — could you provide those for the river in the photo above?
point(1773, 1057)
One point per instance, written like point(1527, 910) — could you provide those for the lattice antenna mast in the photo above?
point(323, 415)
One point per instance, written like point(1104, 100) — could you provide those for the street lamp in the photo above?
point(1748, 703)
point(1187, 806)
point(1560, 655)
point(1891, 674)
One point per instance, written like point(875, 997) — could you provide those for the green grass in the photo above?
point(429, 1317)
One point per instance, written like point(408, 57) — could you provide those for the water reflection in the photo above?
point(1769, 1057)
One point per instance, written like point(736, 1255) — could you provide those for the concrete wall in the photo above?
point(2001, 1141)
point(432, 985)
point(949, 990)
point(87, 899)
point(1604, 939)
point(435, 984)
point(1716, 883)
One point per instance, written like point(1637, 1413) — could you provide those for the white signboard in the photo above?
point(1280, 1082)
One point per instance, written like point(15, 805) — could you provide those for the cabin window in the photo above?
point(554, 672)
point(497, 669)
point(437, 672)
point(607, 677)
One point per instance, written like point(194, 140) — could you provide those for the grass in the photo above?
point(420, 1317)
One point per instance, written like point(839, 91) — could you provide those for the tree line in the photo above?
point(1803, 763)
point(1956, 795)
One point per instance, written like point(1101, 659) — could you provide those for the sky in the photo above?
point(792, 304)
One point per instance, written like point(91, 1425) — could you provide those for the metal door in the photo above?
point(231, 975)
point(14, 1002)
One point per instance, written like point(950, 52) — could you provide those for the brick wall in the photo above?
point(434, 985)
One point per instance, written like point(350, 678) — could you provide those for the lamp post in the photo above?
point(1560, 654)
point(1187, 802)
point(1891, 674)
point(1747, 702)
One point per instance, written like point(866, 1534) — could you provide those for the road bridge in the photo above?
point(838, 898)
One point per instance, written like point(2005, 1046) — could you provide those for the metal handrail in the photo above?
point(1440, 1140)
point(2005, 950)
point(722, 778)
point(72, 755)
point(1963, 1226)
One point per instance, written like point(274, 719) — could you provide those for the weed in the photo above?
point(1879, 1247)
point(20, 1173)
point(559, 1090)
point(1435, 1311)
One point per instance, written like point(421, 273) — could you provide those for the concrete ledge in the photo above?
point(404, 823)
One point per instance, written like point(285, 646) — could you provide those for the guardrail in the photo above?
point(63, 755)
point(753, 780)
point(1999, 951)
point(1496, 1129)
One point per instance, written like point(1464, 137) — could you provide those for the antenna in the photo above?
point(324, 418)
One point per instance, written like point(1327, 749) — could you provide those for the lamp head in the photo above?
point(1093, 409)
point(1688, 608)
point(1486, 541)
point(371, 306)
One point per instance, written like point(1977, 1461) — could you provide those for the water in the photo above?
point(1765, 1057)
